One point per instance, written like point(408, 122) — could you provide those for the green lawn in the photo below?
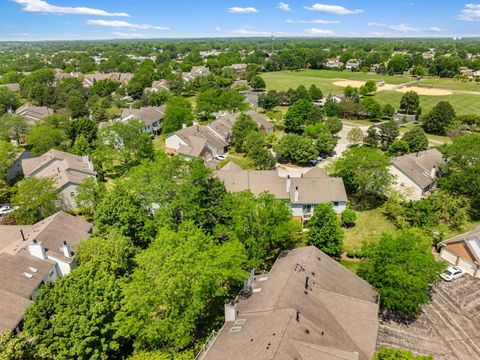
point(370, 226)
point(452, 84)
point(351, 265)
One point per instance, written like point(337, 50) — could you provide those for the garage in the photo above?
point(463, 251)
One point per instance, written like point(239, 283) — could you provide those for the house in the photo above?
point(463, 251)
point(121, 78)
point(333, 63)
point(416, 174)
point(239, 68)
point(15, 169)
point(352, 64)
point(32, 255)
point(150, 116)
point(158, 85)
point(196, 72)
point(429, 55)
point(33, 113)
point(303, 193)
point(15, 87)
point(476, 74)
point(67, 170)
point(308, 307)
point(208, 141)
point(251, 97)
point(464, 71)
point(60, 75)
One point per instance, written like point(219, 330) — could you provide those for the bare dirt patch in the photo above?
point(353, 83)
point(425, 91)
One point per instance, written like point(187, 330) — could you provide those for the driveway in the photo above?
point(447, 329)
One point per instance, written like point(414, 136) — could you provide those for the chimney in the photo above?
point(184, 126)
point(37, 249)
point(295, 196)
point(288, 183)
point(67, 251)
point(230, 311)
point(23, 235)
point(433, 172)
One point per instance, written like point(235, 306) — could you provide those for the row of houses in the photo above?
point(470, 73)
point(210, 140)
point(33, 255)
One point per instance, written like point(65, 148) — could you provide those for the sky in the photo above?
point(29, 20)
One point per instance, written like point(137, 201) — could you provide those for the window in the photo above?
point(335, 203)
point(307, 209)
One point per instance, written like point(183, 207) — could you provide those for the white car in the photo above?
point(221, 157)
point(6, 209)
point(452, 273)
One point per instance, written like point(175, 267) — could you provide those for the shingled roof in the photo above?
point(418, 166)
point(308, 307)
point(147, 115)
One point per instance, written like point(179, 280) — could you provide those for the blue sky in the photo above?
point(116, 19)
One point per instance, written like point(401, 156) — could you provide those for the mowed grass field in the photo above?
point(324, 79)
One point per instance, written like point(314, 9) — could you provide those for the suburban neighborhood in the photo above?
point(277, 181)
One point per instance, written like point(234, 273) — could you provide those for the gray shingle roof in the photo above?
point(332, 315)
point(418, 166)
point(147, 115)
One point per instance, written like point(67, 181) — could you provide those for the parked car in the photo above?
point(6, 209)
point(220, 157)
point(452, 273)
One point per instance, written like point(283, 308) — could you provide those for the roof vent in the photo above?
point(235, 329)
point(240, 321)
point(32, 269)
point(27, 275)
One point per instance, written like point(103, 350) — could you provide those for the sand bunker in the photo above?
point(345, 83)
point(425, 91)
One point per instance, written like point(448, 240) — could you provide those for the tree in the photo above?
point(8, 100)
point(324, 140)
point(296, 148)
point(440, 119)
point(177, 113)
point(355, 136)
point(241, 130)
point(388, 133)
point(16, 347)
point(364, 172)
point(269, 100)
point(332, 109)
point(325, 232)
point(401, 268)
point(45, 137)
point(89, 194)
point(416, 139)
point(257, 83)
point(35, 200)
point(371, 140)
point(398, 148)
point(349, 217)
point(103, 88)
point(315, 93)
point(461, 174)
point(369, 88)
point(180, 278)
point(410, 102)
point(77, 106)
point(372, 107)
point(38, 87)
point(398, 354)
point(84, 126)
point(333, 124)
point(8, 155)
point(388, 111)
point(297, 114)
point(13, 127)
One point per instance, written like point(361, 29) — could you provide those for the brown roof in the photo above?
point(34, 112)
point(231, 166)
point(332, 315)
point(64, 168)
point(12, 307)
point(148, 115)
point(11, 233)
point(261, 120)
point(418, 166)
point(115, 76)
point(466, 245)
point(311, 190)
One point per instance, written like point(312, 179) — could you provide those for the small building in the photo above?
point(210, 140)
point(121, 78)
point(463, 251)
point(303, 193)
point(150, 116)
point(352, 64)
point(158, 85)
point(239, 68)
point(333, 63)
point(67, 170)
point(33, 113)
point(33, 255)
point(308, 307)
point(196, 72)
point(416, 174)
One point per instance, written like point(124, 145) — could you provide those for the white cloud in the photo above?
point(248, 32)
point(470, 13)
point(126, 25)
point(218, 28)
point(283, 6)
point(128, 36)
point(242, 10)
point(44, 7)
point(315, 31)
point(399, 27)
point(435, 29)
point(332, 9)
point(318, 21)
